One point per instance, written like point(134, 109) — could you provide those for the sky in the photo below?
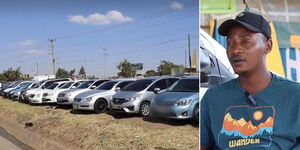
point(96, 34)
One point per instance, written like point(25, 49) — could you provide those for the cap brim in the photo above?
point(227, 25)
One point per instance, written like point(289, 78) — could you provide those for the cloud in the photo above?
point(110, 17)
point(35, 52)
point(176, 6)
point(27, 43)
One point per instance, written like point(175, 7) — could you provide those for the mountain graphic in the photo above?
point(245, 128)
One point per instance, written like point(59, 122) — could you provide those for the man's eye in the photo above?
point(246, 42)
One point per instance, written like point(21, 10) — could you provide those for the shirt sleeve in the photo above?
point(206, 138)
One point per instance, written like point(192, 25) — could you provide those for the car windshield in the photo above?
point(52, 86)
point(14, 84)
point(66, 85)
point(185, 85)
point(107, 85)
point(85, 85)
point(138, 85)
point(27, 85)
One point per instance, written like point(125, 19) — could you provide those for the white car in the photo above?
point(35, 95)
point(214, 64)
point(67, 97)
point(99, 99)
point(50, 96)
point(49, 93)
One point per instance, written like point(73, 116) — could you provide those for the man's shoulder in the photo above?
point(284, 82)
point(227, 85)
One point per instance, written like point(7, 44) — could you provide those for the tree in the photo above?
point(165, 67)
point(126, 69)
point(92, 77)
point(11, 74)
point(62, 73)
point(150, 73)
point(82, 72)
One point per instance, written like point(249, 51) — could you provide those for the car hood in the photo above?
point(174, 96)
point(71, 90)
point(90, 93)
point(126, 94)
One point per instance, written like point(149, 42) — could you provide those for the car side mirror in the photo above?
point(156, 90)
point(73, 87)
point(93, 87)
point(117, 89)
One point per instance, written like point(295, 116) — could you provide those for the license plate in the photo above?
point(75, 106)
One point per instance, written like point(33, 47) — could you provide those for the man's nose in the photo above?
point(236, 48)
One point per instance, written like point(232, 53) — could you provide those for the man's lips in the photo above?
point(237, 61)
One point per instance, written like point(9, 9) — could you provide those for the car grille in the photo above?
point(77, 99)
point(61, 94)
point(45, 94)
point(165, 103)
point(119, 101)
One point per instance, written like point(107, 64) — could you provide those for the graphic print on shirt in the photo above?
point(247, 127)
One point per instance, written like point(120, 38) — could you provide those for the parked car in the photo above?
point(11, 87)
point(99, 99)
point(214, 64)
point(22, 96)
point(16, 93)
point(137, 96)
point(35, 95)
point(180, 101)
point(67, 97)
point(50, 93)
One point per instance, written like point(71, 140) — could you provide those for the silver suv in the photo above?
point(136, 97)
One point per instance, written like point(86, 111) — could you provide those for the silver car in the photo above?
point(67, 97)
point(137, 96)
point(99, 99)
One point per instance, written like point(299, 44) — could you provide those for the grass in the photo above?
point(105, 131)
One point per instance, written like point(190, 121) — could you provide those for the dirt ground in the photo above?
point(86, 130)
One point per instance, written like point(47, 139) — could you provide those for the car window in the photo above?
point(123, 84)
point(107, 85)
point(185, 85)
point(162, 84)
point(52, 86)
point(217, 72)
point(138, 85)
point(85, 84)
point(171, 81)
point(99, 82)
point(65, 85)
point(77, 84)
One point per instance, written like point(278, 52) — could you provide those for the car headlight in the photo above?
point(133, 98)
point(183, 102)
point(88, 99)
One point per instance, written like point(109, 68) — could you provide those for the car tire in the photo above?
point(100, 106)
point(195, 118)
point(145, 109)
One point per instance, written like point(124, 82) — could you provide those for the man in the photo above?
point(257, 110)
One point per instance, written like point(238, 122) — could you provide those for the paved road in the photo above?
point(9, 142)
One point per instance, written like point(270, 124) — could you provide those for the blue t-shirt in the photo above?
point(270, 120)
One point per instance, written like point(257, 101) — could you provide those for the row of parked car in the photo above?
point(164, 97)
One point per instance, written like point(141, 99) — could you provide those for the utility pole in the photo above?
point(105, 55)
point(37, 69)
point(189, 43)
point(185, 51)
point(85, 67)
point(52, 53)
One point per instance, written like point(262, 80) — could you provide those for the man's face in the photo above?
point(246, 50)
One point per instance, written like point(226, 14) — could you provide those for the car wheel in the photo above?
point(196, 114)
point(145, 109)
point(100, 106)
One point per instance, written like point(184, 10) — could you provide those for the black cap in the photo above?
point(249, 20)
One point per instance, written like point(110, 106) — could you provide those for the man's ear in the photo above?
point(268, 45)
